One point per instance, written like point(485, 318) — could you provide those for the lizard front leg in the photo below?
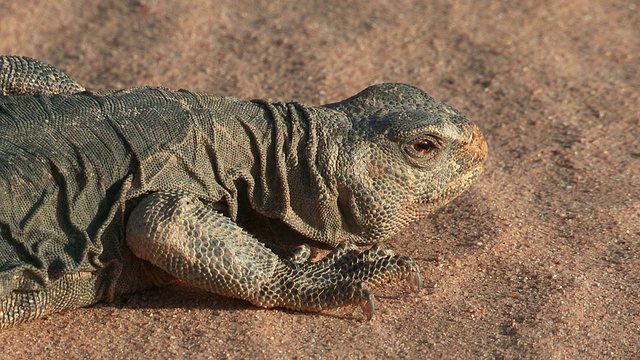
point(195, 243)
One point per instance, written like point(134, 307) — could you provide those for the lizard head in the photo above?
point(404, 155)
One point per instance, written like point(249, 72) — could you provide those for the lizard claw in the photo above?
point(412, 275)
point(344, 277)
point(369, 307)
point(415, 282)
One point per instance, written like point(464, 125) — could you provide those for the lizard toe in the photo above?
point(368, 306)
point(300, 255)
point(341, 254)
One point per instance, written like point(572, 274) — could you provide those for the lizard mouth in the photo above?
point(420, 209)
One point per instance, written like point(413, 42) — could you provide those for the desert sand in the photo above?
point(539, 259)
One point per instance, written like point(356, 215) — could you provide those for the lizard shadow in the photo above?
point(182, 296)
point(177, 296)
point(189, 298)
point(460, 228)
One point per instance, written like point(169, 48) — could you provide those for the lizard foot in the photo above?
point(343, 277)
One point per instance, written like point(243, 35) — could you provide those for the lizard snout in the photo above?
point(476, 145)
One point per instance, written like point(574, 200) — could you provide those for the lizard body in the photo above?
point(112, 192)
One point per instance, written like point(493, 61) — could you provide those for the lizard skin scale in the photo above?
point(76, 167)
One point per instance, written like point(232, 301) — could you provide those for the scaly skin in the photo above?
point(23, 75)
point(113, 192)
point(184, 237)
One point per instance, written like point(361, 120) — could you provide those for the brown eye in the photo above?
point(423, 146)
point(421, 150)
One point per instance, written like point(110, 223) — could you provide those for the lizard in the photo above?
point(107, 193)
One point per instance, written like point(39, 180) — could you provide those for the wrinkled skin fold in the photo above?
point(109, 193)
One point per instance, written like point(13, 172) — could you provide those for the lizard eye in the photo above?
point(421, 150)
point(423, 146)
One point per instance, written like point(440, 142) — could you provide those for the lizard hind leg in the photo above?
point(191, 241)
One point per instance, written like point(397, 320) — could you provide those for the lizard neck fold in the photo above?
point(305, 148)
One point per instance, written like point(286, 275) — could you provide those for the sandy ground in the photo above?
point(539, 259)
